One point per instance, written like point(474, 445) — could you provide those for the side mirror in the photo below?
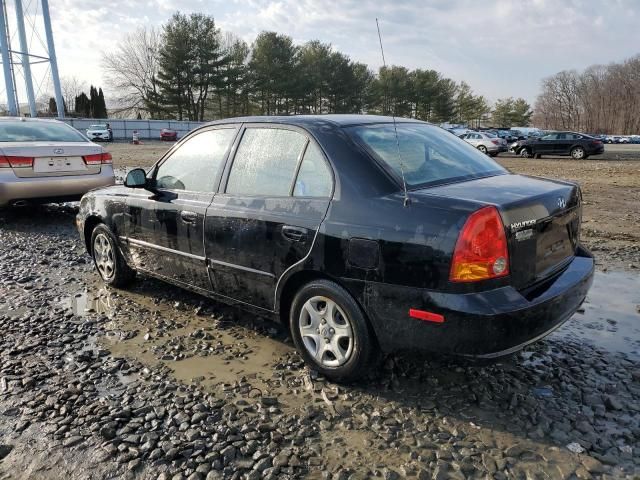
point(136, 178)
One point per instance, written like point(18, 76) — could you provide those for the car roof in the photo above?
point(336, 120)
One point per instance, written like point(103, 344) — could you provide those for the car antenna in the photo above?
point(406, 201)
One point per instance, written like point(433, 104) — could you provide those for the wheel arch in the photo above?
point(89, 224)
point(292, 284)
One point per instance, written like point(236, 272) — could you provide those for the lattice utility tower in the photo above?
point(26, 59)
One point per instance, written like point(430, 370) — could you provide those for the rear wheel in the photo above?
point(107, 258)
point(331, 332)
point(577, 153)
point(482, 148)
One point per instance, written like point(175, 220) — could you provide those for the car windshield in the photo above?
point(30, 131)
point(429, 155)
point(98, 127)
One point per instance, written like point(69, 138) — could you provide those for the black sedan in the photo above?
point(578, 145)
point(360, 235)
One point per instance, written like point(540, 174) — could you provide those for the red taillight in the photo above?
point(596, 142)
point(481, 251)
point(496, 142)
point(15, 162)
point(97, 158)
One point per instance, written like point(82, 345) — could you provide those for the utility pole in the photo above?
point(6, 62)
point(52, 59)
point(26, 61)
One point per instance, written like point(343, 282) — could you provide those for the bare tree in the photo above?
point(71, 88)
point(602, 99)
point(132, 70)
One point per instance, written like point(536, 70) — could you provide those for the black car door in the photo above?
point(563, 143)
point(274, 196)
point(545, 145)
point(165, 228)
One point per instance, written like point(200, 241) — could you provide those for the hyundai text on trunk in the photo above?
point(361, 235)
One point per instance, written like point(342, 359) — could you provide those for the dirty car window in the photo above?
point(314, 178)
point(193, 166)
point(265, 162)
point(429, 154)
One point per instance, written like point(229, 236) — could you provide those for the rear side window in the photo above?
point(314, 178)
point(428, 155)
point(194, 164)
point(265, 162)
point(33, 131)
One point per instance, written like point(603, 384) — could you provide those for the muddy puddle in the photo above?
point(215, 349)
point(610, 319)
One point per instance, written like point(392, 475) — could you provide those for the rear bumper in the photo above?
point(13, 188)
point(484, 324)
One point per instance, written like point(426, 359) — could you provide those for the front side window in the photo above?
point(427, 154)
point(35, 131)
point(314, 178)
point(265, 162)
point(552, 136)
point(193, 166)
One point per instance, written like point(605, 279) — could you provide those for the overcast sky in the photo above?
point(500, 47)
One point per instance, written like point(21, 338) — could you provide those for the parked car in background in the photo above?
point(578, 145)
point(48, 161)
point(486, 142)
point(100, 132)
point(168, 135)
point(274, 214)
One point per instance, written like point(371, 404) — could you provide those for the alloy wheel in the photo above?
point(577, 153)
point(326, 332)
point(104, 256)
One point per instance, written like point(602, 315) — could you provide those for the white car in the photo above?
point(48, 161)
point(100, 133)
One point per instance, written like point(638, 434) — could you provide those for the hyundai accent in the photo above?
point(362, 234)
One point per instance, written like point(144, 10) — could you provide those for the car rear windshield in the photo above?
point(29, 131)
point(428, 154)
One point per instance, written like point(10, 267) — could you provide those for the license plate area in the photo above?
point(58, 164)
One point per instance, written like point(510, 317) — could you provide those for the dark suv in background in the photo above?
point(578, 145)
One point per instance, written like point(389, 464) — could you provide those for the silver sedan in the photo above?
point(48, 161)
point(486, 142)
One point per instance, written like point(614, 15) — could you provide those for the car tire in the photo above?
point(108, 259)
point(483, 149)
point(341, 347)
point(577, 153)
point(524, 153)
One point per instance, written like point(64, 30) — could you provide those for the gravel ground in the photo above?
point(157, 383)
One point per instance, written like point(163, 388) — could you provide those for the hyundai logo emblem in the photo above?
point(58, 151)
point(562, 202)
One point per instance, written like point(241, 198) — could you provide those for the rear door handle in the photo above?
point(188, 217)
point(297, 234)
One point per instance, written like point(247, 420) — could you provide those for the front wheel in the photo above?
point(524, 153)
point(331, 332)
point(483, 149)
point(107, 258)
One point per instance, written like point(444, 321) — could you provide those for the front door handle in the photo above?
point(297, 234)
point(189, 217)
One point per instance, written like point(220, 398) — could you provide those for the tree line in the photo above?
point(603, 99)
point(81, 104)
point(190, 69)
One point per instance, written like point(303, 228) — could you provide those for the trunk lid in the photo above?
point(541, 219)
point(52, 159)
